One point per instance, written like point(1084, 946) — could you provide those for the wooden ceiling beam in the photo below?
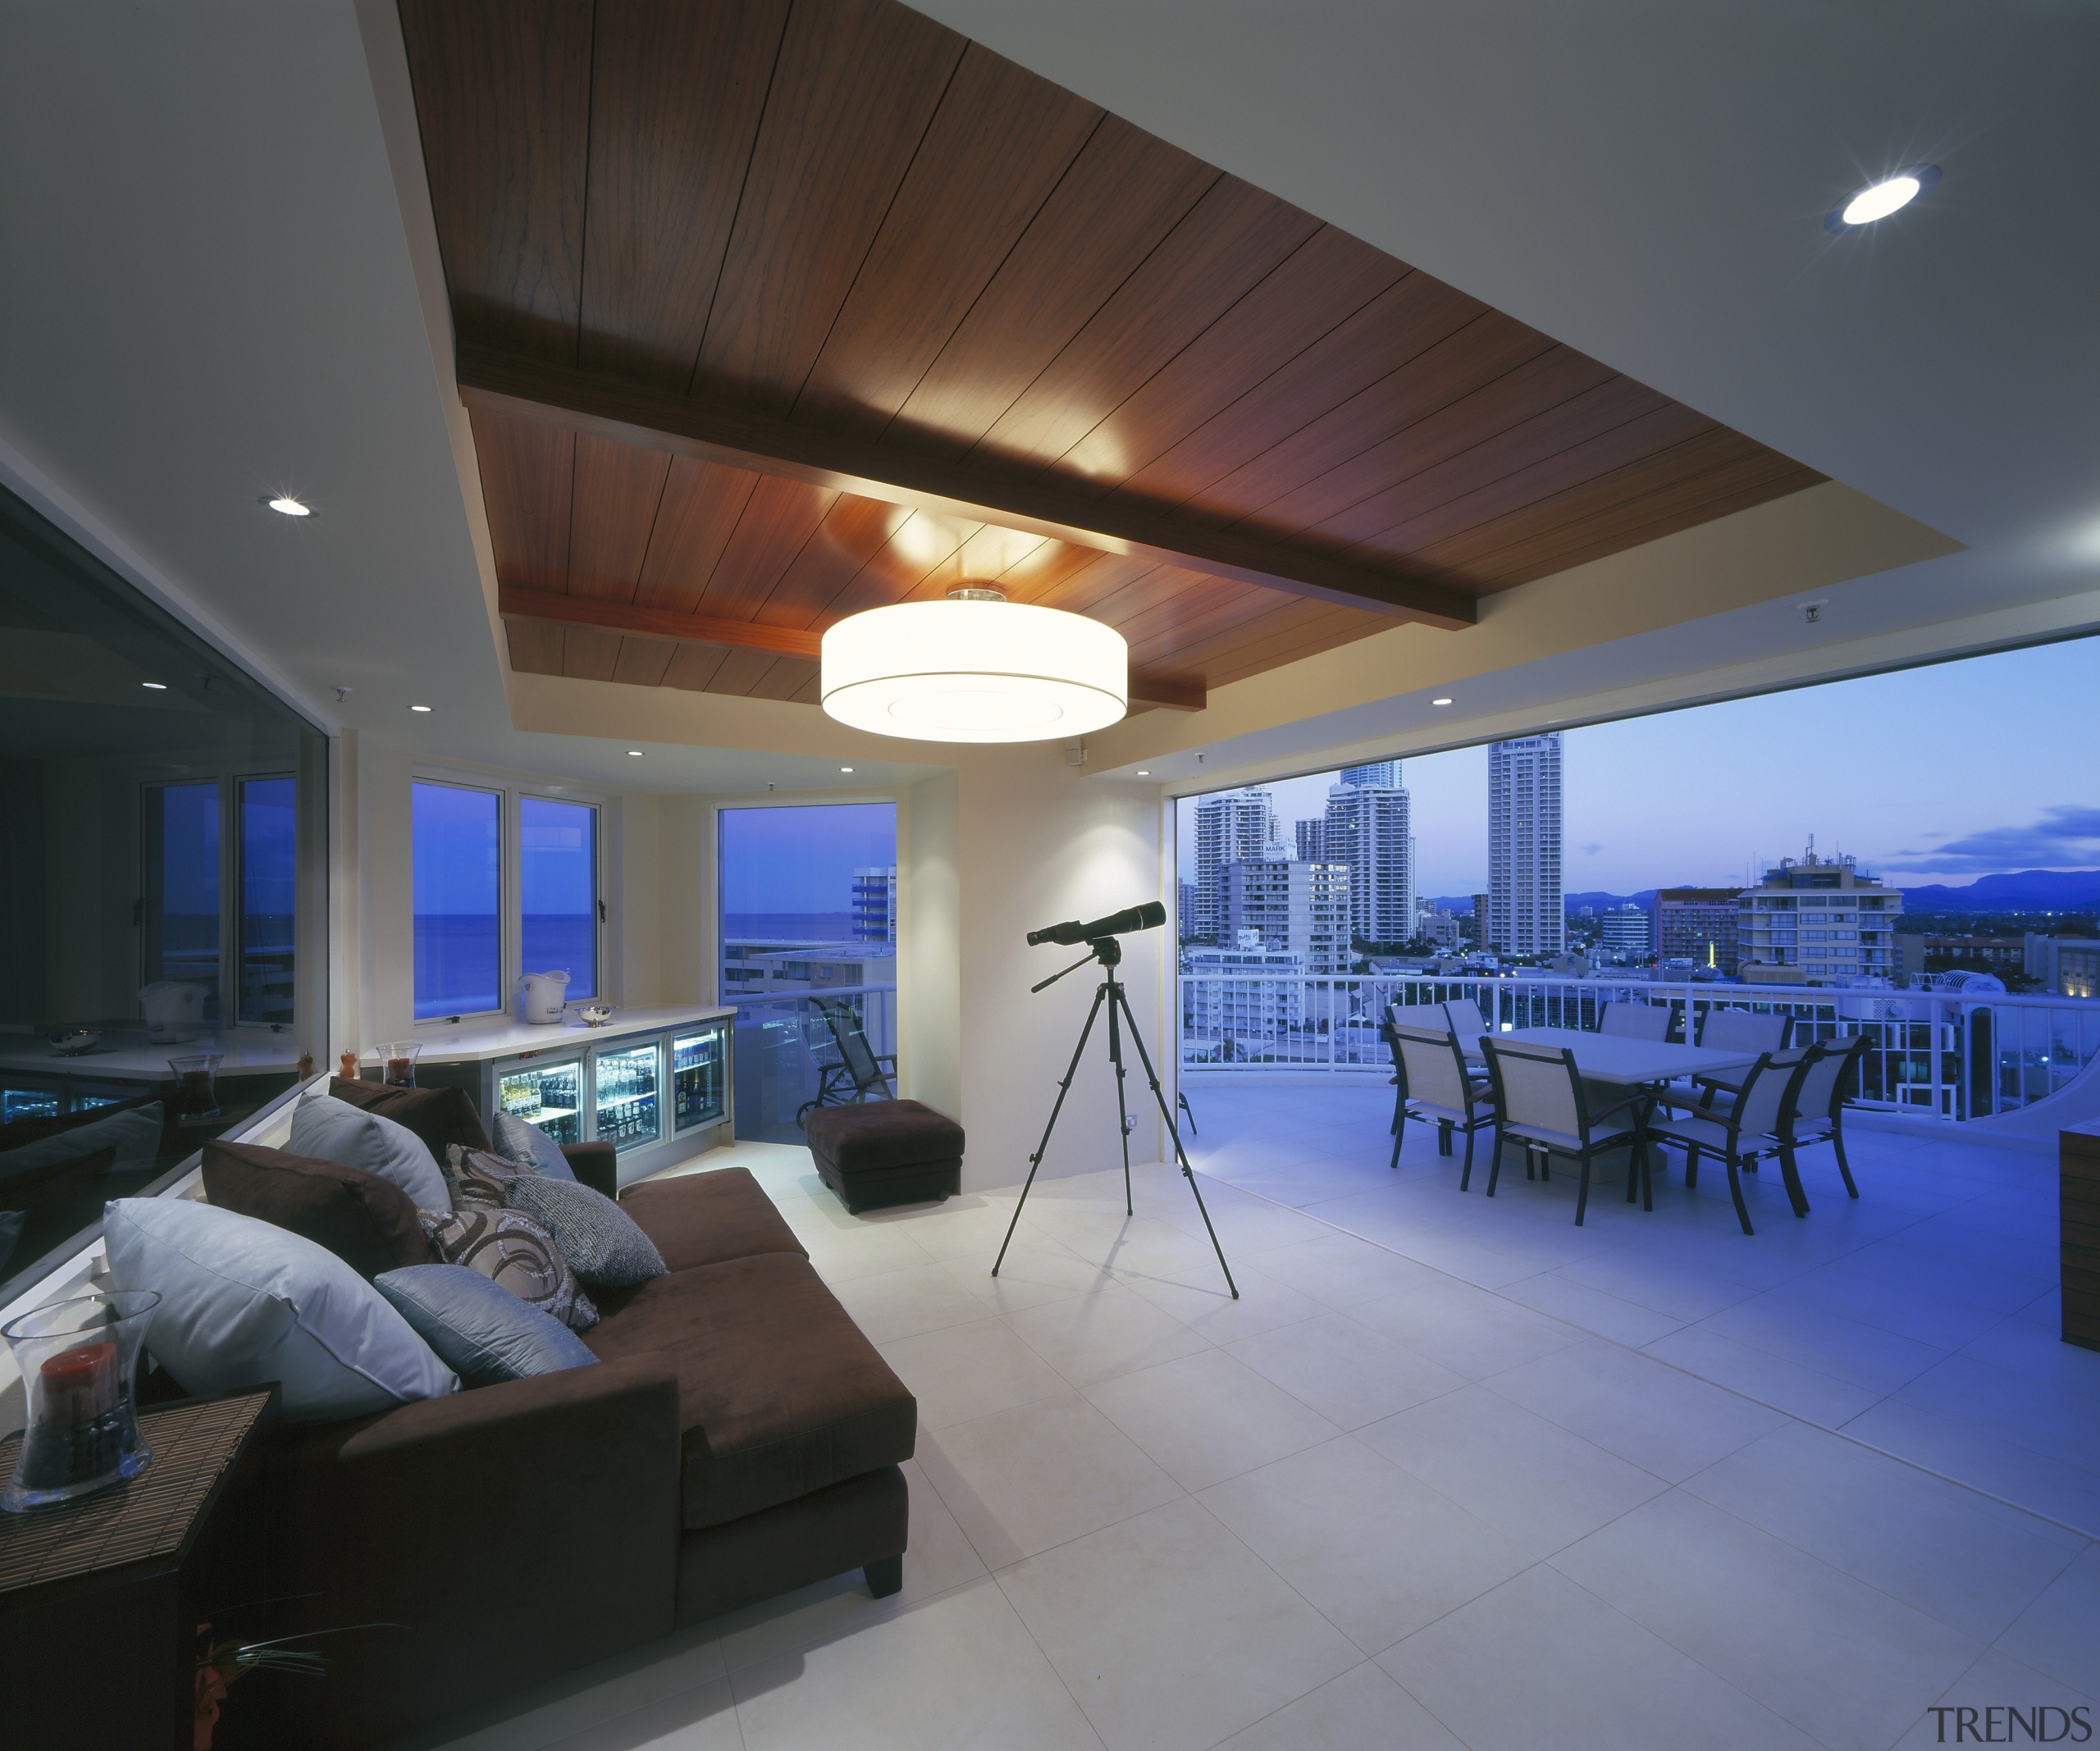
point(1168, 692)
point(519, 388)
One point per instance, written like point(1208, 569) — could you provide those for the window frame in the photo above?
point(510, 924)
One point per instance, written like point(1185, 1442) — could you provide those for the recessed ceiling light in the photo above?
point(845, 768)
point(419, 707)
point(1878, 200)
point(1142, 772)
point(634, 753)
point(286, 505)
point(158, 686)
point(1439, 702)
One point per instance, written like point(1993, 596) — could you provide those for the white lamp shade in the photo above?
point(975, 671)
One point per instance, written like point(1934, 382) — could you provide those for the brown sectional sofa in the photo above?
point(740, 1438)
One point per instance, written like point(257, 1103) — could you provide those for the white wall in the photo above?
point(929, 944)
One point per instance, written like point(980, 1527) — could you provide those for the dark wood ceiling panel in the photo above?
point(856, 87)
point(528, 471)
point(1066, 267)
point(676, 94)
point(1317, 287)
point(778, 519)
point(502, 99)
point(1231, 240)
point(613, 507)
point(1000, 143)
point(702, 505)
point(772, 311)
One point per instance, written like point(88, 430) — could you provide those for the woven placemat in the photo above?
point(149, 1516)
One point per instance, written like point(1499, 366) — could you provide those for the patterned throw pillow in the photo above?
point(530, 1147)
point(475, 1176)
point(512, 1251)
point(597, 1238)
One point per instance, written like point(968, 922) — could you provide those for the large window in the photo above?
point(558, 890)
point(181, 911)
point(269, 881)
point(458, 884)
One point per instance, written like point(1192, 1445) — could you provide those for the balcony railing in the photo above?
point(783, 1048)
point(1933, 1053)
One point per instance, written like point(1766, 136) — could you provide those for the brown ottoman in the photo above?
point(879, 1152)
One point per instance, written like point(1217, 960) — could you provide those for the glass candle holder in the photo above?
point(197, 1083)
point(397, 1062)
point(79, 1360)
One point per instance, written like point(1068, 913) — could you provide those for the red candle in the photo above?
point(400, 1070)
point(80, 1384)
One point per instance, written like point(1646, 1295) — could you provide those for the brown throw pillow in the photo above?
point(480, 1176)
point(514, 1252)
point(441, 1117)
point(368, 1222)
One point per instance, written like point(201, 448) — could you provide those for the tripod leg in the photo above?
point(1174, 1130)
point(1122, 1109)
point(1035, 1161)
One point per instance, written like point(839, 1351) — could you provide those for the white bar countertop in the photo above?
point(127, 1055)
point(508, 1037)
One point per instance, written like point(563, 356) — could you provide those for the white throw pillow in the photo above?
point(326, 1129)
point(244, 1302)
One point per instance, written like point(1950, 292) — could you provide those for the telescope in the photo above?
point(1149, 916)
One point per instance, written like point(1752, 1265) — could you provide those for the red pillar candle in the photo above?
point(80, 1384)
point(400, 1070)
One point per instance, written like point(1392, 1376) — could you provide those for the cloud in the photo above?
point(1591, 850)
point(2066, 838)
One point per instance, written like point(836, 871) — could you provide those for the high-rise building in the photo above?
point(1523, 845)
point(874, 904)
point(1816, 921)
point(1312, 841)
point(1230, 825)
point(1368, 828)
point(1482, 919)
point(1300, 908)
point(1697, 925)
point(1624, 932)
point(1383, 773)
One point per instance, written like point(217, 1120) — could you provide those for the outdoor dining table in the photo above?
point(1624, 1062)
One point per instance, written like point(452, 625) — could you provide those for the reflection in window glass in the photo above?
point(268, 882)
point(457, 846)
point(558, 890)
point(180, 918)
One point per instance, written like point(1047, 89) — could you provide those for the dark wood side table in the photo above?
point(100, 1599)
point(2078, 1193)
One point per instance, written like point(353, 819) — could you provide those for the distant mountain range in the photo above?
point(2027, 891)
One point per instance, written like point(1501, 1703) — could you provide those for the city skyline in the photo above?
point(1910, 772)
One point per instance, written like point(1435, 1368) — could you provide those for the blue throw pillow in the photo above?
point(601, 1241)
point(481, 1331)
point(519, 1141)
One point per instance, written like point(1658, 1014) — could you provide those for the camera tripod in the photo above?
point(1109, 952)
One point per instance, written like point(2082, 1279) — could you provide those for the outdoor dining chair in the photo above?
point(1436, 1088)
point(1813, 1110)
point(857, 1073)
point(1721, 1029)
point(1636, 1021)
point(1467, 1025)
point(1740, 1127)
point(1544, 1105)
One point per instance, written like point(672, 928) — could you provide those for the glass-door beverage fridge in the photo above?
point(627, 1085)
point(697, 1095)
point(550, 1095)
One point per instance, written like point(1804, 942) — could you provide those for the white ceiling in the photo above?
point(210, 296)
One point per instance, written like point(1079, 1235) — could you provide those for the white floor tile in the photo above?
point(1207, 1417)
point(1770, 1379)
point(1096, 1336)
point(1842, 1660)
point(1362, 1710)
point(1973, 1563)
point(657, 1672)
point(1467, 1330)
point(1114, 1614)
point(1974, 1453)
point(1378, 1552)
point(1650, 1413)
point(1541, 1664)
point(1347, 1372)
point(698, 1720)
point(958, 1673)
point(961, 1372)
point(1827, 1342)
point(1019, 1481)
point(1200, 1300)
point(2059, 1634)
point(1606, 1316)
point(1340, 1271)
point(893, 1304)
point(1531, 1480)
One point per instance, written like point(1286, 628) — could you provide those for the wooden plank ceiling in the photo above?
point(771, 312)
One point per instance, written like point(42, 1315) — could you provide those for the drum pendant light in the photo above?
point(975, 668)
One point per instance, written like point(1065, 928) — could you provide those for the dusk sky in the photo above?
point(802, 859)
point(1936, 774)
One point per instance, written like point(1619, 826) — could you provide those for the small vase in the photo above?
point(197, 1083)
point(79, 1359)
point(397, 1062)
